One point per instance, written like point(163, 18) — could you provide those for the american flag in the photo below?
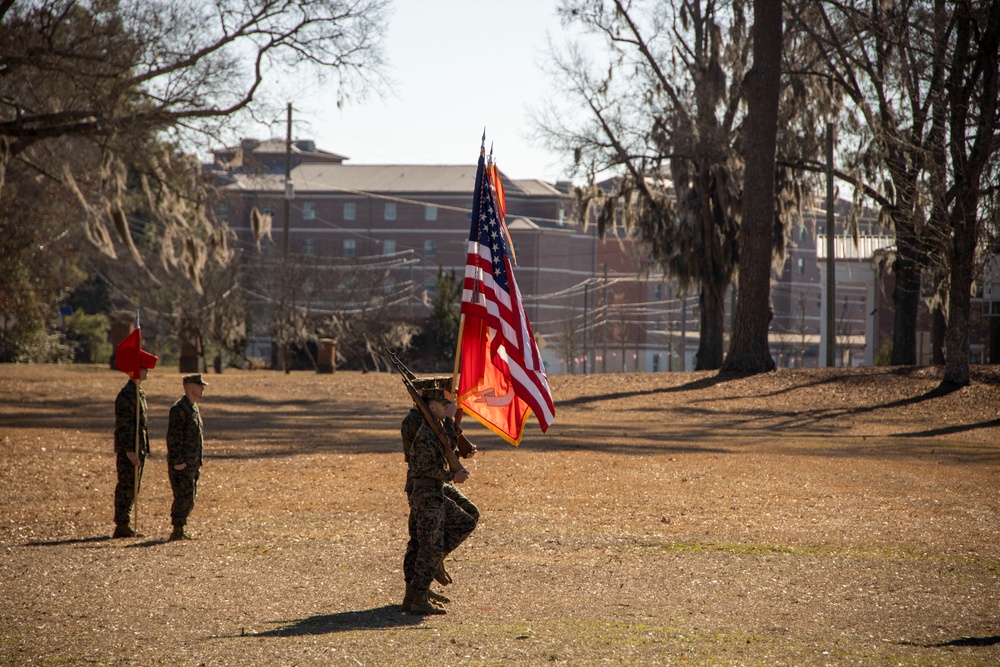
point(502, 378)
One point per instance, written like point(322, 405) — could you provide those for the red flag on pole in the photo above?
point(502, 380)
point(130, 357)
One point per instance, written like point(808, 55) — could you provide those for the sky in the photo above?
point(457, 66)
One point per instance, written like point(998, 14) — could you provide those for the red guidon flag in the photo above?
point(129, 357)
point(502, 380)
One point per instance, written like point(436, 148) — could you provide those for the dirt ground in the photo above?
point(811, 517)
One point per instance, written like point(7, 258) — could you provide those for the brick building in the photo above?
point(365, 234)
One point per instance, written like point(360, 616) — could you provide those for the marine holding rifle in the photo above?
point(408, 429)
point(438, 522)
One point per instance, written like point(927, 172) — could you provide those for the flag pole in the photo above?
point(138, 460)
point(461, 319)
point(458, 355)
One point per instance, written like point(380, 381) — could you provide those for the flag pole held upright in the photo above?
point(501, 377)
point(131, 359)
point(138, 458)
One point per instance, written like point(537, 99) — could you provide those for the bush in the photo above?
point(89, 336)
point(43, 347)
point(884, 356)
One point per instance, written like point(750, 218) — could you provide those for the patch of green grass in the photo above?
point(864, 552)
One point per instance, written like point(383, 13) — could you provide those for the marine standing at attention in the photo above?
point(184, 450)
point(131, 437)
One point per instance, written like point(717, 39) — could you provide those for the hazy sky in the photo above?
point(458, 65)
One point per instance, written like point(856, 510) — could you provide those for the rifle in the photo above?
point(465, 447)
point(449, 454)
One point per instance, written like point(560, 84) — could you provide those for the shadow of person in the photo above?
point(75, 540)
point(387, 616)
point(99, 540)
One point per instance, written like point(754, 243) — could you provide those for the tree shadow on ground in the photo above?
point(387, 616)
point(811, 418)
point(961, 641)
point(701, 383)
point(970, 641)
point(950, 430)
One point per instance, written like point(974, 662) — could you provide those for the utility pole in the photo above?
point(831, 258)
point(586, 324)
point(289, 193)
point(285, 278)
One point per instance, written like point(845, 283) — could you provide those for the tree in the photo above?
point(93, 92)
point(973, 96)
point(445, 315)
point(749, 352)
point(921, 76)
point(886, 58)
point(665, 119)
point(38, 264)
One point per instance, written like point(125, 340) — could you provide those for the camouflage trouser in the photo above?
point(185, 486)
point(450, 491)
point(125, 488)
point(440, 526)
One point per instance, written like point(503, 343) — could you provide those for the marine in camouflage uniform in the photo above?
point(128, 398)
point(438, 523)
point(408, 430)
point(184, 452)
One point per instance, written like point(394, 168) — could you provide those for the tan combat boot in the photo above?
point(422, 606)
point(407, 598)
point(123, 530)
point(437, 598)
point(441, 575)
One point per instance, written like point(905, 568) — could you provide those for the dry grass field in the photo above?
point(812, 517)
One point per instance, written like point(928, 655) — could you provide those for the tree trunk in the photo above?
point(963, 251)
point(939, 329)
point(905, 301)
point(973, 94)
point(712, 317)
point(994, 340)
point(749, 351)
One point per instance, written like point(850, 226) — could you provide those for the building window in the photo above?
point(222, 210)
point(308, 247)
point(430, 213)
point(350, 210)
point(430, 248)
point(802, 265)
point(390, 211)
point(430, 282)
point(658, 291)
point(389, 247)
point(350, 247)
point(308, 210)
point(656, 362)
point(308, 286)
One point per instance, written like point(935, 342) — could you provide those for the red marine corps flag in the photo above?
point(502, 380)
point(130, 357)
